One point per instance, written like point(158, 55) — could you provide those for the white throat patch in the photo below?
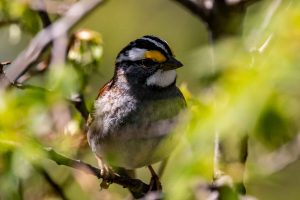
point(162, 78)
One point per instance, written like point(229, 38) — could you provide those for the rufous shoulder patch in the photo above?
point(104, 89)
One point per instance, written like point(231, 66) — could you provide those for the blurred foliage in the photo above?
point(254, 93)
point(233, 93)
point(85, 53)
point(19, 12)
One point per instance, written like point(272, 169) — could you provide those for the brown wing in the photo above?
point(105, 88)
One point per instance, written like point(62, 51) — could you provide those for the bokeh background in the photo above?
point(246, 85)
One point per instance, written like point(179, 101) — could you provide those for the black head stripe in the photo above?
point(149, 43)
point(146, 44)
point(161, 42)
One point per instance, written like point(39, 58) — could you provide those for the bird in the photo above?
point(134, 115)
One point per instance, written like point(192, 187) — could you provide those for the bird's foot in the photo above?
point(106, 175)
point(105, 172)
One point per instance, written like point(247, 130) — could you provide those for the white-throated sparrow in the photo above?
point(131, 124)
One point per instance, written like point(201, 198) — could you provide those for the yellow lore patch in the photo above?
point(155, 56)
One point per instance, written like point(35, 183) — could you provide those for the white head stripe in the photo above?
point(156, 43)
point(132, 55)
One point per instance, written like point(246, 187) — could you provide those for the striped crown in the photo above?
point(146, 47)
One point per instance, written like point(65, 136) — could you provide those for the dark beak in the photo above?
point(171, 64)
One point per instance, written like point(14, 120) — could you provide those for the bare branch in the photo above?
point(52, 6)
point(59, 28)
point(59, 51)
point(136, 186)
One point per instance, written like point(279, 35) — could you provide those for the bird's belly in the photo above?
point(133, 147)
point(135, 153)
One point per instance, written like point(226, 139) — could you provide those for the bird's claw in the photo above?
point(105, 172)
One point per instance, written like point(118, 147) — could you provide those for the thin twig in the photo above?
point(28, 86)
point(21, 189)
point(44, 18)
point(8, 22)
point(58, 190)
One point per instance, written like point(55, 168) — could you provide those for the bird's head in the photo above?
point(148, 60)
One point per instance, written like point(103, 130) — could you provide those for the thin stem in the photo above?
point(58, 190)
point(8, 22)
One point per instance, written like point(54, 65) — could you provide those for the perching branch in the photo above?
point(136, 186)
point(44, 37)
